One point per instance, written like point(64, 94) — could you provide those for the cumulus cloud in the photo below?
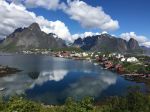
point(13, 16)
point(144, 41)
point(147, 44)
point(86, 34)
point(90, 17)
point(77, 10)
point(57, 27)
point(48, 4)
point(83, 35)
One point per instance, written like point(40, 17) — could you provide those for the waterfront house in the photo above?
point(119, 68)
point(132, 59)
point(108, 64)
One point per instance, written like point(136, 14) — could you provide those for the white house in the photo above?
point(119, 56)
point(84, 54)
point(132, 59)
point(123, 59)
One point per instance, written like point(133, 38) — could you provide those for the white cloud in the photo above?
point(86, 34)
point(147, 44)
point(13, 16)
point(90, 17)
point(48, 4)
point(83, 35)
point(77, 10)
point(56, 27)
point(144, 41)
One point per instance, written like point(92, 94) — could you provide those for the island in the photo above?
point(5, 70)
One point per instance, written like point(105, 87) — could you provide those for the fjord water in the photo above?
point(51, 80)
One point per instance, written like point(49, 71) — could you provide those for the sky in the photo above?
point(70, 19)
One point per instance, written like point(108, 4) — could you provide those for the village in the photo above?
point(132, 66)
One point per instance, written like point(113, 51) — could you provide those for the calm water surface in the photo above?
point(51, 80)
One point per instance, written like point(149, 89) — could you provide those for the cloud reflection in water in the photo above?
point(88, 83)
point(14, 84)
point(91, 86)
point(55, 75)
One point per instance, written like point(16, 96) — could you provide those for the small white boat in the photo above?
point(2, 89)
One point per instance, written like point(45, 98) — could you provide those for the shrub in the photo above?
point(85, 105)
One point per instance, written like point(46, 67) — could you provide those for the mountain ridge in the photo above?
point(31, 37)
point(106, 42)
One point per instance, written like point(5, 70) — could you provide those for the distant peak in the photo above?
point(53, 34)
point(18, 30)
point(34, 26)
point(132, 39)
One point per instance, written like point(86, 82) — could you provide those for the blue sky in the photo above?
point(133, 15)
point(123, 18)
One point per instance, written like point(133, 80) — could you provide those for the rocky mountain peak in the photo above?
point(30, 38)
point(34, 27)
point(133, 44)
point(18, 30)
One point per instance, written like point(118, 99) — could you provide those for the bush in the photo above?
point(134, 68)
point(18, 104)
point(85, 105)
point(133, 102)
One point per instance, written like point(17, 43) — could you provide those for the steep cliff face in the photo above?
point(31, 37)
point(78, 42)
point(106, 42)
point(133, 44)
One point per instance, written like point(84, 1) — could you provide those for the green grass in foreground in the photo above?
point(134, 101)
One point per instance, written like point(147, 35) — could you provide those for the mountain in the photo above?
point(32, 37)
point(106, 42)
point(133, 44)
point(29, 38)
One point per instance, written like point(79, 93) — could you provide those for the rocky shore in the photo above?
point(120, 69)
point(5, 70)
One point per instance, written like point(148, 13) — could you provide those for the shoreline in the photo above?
point(127, 76)
point(5, 70)
point(96, 62)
